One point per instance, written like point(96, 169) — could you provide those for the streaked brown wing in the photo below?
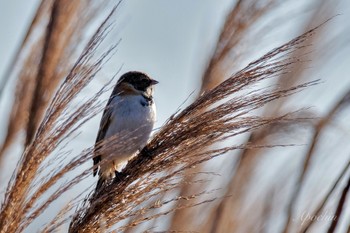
point(105, 121)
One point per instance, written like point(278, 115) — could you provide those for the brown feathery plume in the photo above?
point(243, 16)
point(215, 116)
point(228, 211)
point(25, 85)
point(53, 50)
point(66, 17)
point(57, 124)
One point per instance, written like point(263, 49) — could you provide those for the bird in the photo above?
point(127, 121)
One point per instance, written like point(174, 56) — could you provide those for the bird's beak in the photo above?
point(154, 82)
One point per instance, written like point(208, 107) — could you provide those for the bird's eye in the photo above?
point(144, 80)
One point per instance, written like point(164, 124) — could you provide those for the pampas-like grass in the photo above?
point(48, 56)
point(56, 125)
point(188, 139)
point(243, 16)
point(241, 179)
point(217, 115)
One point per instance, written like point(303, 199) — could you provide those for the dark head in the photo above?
point(135, 82)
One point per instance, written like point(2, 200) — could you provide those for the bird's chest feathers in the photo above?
point(132, 112)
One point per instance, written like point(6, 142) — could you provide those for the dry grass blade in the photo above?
point(61, 30)
point(215, 116)
point(26, 83)
point(323, 123)
point(41, 11)
point(20, 108)
point(317, 212)
point(339, 208)
point(58, 124)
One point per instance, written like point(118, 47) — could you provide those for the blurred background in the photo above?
point(190, 47)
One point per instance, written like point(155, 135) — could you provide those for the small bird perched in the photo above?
point(128, 117)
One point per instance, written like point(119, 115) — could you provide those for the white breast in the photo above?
point(131, 123)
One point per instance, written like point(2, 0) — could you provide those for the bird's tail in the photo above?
point(100, 183)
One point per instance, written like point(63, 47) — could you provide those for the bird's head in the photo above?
point(134, 83)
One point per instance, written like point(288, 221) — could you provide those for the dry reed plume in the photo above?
point(57, 124)
point(243, 16)
point(217, 115)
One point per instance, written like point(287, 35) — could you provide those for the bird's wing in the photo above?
point(105, 121)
